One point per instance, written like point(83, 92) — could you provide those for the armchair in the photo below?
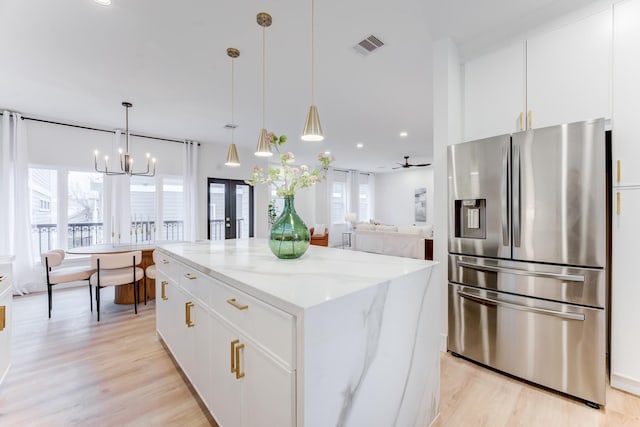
point(319, 239)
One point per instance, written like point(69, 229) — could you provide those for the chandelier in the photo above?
point(126, 161)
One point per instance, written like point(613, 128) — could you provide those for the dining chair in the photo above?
point(117, 270)
point(51, 260)
point(149, 273)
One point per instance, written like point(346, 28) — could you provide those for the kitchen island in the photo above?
point(335, 338)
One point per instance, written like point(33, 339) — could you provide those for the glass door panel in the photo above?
point(230, 209)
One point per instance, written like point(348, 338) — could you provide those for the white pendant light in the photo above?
point(312, 130)
point(232, 155)
point(264, 148)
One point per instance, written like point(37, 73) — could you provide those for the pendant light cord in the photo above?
point(263, 72)
point(126, 125)
point(233, 123)
point(313, 59)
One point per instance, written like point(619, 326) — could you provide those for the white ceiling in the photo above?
point(76, 61)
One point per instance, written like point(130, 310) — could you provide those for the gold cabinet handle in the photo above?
point(233, 355)
point(520, 120)
point(190, 276)
point(187, 314)
point(164, 290)
point(233, 302)
point(618, 203)
point(239, 373)
point(529, 119)
point(618, 170)
point(3, 317)
point(164, 261)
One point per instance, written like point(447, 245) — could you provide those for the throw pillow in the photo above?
point(318, 230)
point(386, 228)
point(409, 229)
point(368, 227)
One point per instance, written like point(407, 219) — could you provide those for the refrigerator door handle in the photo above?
point(491, 301)
point(560, 276)
point(505, 194)
point(516, 196)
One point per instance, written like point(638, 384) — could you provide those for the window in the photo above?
point(338, 202)
point(143, 208)
point(172, 209)
point(85, 191)
point(43, 196)
point(364, 203)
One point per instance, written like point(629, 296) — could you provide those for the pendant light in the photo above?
point(232, 154)
point(312, 130)
point(126, 161)
point(264, 148)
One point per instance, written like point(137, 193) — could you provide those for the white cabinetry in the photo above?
point(625, 285)
point(6, 295)
point(626, 93)
point(560, 76)
point(494, 93)
point(236, 350)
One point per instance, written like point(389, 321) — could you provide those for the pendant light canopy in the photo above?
point(264, 148)
point(312, 129)
point(232, 154)
point(126, 161)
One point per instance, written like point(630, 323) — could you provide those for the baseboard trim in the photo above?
point(443, 343)
point(625, 383)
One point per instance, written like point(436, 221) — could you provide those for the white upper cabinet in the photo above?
point(626, 93)
point(560, 76)
point(494, 93)
point(569, 72)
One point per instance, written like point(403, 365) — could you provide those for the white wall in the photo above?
point(394, 195)
point(447, 130)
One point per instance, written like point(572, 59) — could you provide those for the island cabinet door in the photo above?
point(268, 389)
point(169, 317)
point(249, 387)
point(195, 352)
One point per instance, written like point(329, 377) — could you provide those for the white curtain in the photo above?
point(119, 224)
point(190, 167)
point(15, 232)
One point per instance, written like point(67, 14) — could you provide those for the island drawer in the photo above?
point(166, 265)
point(269, 326)
point(194, 282)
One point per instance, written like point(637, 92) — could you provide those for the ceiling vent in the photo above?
point(368, 45)
point(230, 126)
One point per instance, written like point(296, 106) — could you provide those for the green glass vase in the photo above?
point(289, 238)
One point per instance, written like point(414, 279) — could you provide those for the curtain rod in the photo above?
point(100, 130)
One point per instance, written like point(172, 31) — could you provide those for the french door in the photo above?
point(230, 209)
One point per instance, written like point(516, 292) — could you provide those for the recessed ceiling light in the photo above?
point(403, 134)
point(103, 2)
point(359, 145)
point(326, 153)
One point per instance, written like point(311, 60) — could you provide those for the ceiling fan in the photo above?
point(406, 164)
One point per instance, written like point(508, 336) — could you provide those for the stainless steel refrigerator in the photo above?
point(528, 255)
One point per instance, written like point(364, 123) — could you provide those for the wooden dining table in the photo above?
point(124, 294)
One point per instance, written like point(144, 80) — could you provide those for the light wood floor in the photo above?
point(73, 371)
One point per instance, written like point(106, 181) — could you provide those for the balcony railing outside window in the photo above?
point(217, 228)
point(87, 234)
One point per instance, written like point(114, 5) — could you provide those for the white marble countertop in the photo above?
point(320, 275)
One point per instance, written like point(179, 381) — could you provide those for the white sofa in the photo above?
point(404, 241)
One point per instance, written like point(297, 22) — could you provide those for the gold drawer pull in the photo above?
point(3, 315)
point(618, 203)
point(529, 119)
point(190, 276)
point(187, 314)
point(164, 290)
point(164, 261)
point(618, 170)
point(232, 357)
point(239, 373)
point(233, 302)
